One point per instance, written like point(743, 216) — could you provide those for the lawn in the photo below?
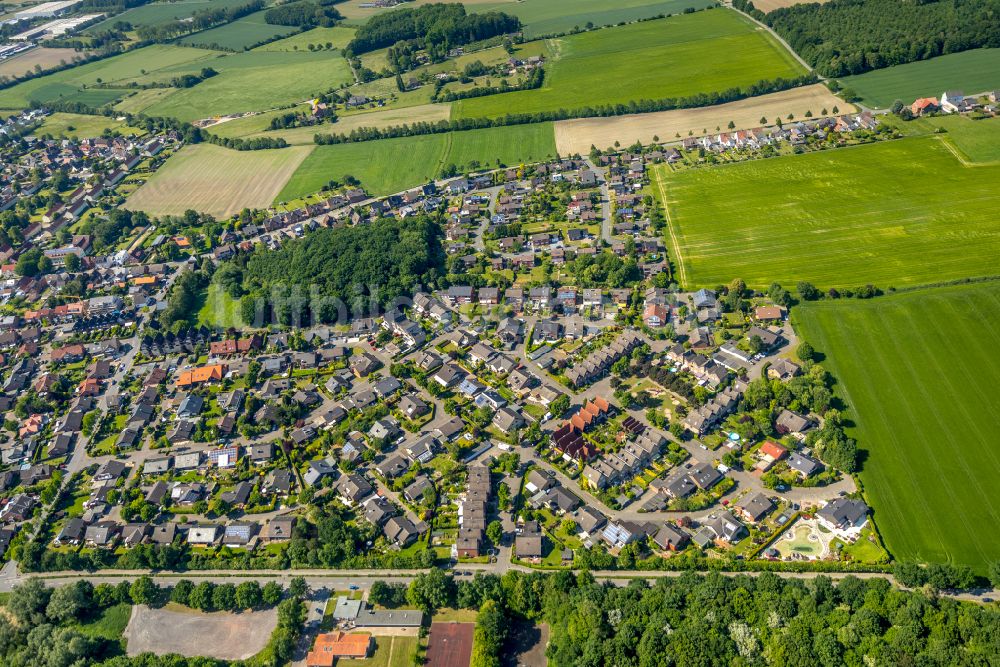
point(216, 180)
point(220, 310)
point(547, 17)
point(108, 624)
point(72, 83)
point(972, 71)
point(378, 166)
point(919, 372)
point(681, 56)
point(82, 125)
point(242, 33)
point(977, 140)
point(389, 652)
point(256, 81)
point(896, 213)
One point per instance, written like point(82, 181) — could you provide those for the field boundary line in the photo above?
point(681, 270)
point(962, 157)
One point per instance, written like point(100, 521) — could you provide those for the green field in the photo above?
point(82, 126)
point(256, 81)
point(337, 36)
point(72, 83)
point(896, 213)
point(681, 56)
point(977, 140)
point(240, 34)
point(162, 12)
point(547, 17)
point(974, 71)
point(392, 165)
point(919, 372)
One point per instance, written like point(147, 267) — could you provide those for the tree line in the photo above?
point(844, 37)
point(436, 27)
point(304, 13)
point(607, 110)
point(201, 20)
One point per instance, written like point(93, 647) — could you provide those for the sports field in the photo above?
point(242, 33)
point(896, 213)
point(256, 81)
point(547, 17)
point(974, 71)
point(681, 56)
point(579, 134)
point(217, 180)
point(919, 372)
point(391, 165)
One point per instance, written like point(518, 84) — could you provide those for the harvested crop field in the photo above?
point(919, 373)
point(43, 57)
point(895, 213)
point(578, 135)
point(770, 5)
point(191, 633)
point(217, 180)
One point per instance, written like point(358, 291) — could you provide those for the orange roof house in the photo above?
point(924, 105)
point(333, 645)
point(769, 313)
point(201, 375)
point(89, 387)
point(773, 450)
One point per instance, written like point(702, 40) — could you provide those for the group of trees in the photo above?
point(436, 28)
point(532, 81)
point(304, 13)
point(716, 620)
point(846, 37)
point(605, 110)
point(357, 267)
point(188, 80)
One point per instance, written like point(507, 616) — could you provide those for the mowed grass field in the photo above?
point(256, 81)
point(974, 71)
point(242, 33)
point(681, 56)
point(391, 165)
point(547, 17)
point(337, 36)
point(920, 375)
point(897, 213)
point(156, 13)
point(82, 126)
point(216, 180)
point(72, 83)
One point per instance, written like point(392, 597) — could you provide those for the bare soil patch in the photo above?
point(525, 646)
point(770, 5)
point(219, 635)
point(577, 136)
point(42, 57)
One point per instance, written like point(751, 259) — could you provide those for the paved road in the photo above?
point(605, 200)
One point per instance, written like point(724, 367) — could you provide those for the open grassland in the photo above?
point(391, 165)
point(919, 372)
point(141, 100)
point(976, 140)
point(356, 14)
point(72, 83)
point(579, 134)
point(337, 37)
point(680, 56)
point(157, 13)
point(217, 180)
point(42, 57)
point(381, 118)
point(974, 71)
point(256, 81)
point(547, 17)
point(904, 212)
point(240, 34)
point(82, 125)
